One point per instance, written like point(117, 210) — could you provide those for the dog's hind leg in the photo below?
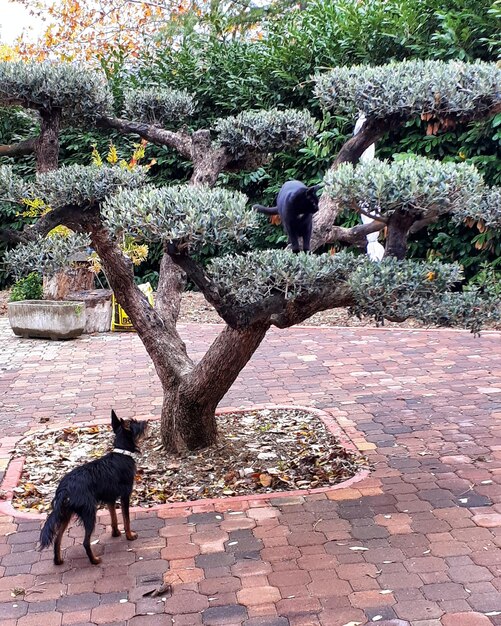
point(124, 501)
point(114, 521)
point(63, 524)
point(89, 523)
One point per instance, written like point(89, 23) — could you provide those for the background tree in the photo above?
point(255, 290)
point(87, 31)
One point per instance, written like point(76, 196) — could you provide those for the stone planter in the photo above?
point(48, 319)
point(97, 309)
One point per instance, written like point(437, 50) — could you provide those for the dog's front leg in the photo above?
point(124, 501)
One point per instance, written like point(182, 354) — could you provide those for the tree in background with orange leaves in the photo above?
point(89, 30)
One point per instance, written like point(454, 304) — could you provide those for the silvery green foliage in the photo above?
point(159, 106)
point(416, 185)
point(409, 88)
point(402, 289)
point(264, 131)
point(82, 186)
point(188, 215)
point(251, 277)
point(45, 256)
point(12, 187)
point(80, 92)
point(487, 211)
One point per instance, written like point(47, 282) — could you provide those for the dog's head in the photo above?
point(128, 433)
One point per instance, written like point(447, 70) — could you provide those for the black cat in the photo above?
point(296, 204)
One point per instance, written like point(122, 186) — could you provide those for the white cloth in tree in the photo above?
point(375, 250)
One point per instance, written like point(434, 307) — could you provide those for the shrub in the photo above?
point(28, 288)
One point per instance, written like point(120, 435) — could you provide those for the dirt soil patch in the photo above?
point(259, 452)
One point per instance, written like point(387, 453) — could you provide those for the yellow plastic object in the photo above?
point(120, 321)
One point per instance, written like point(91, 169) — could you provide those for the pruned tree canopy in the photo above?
point(158, 105)
point(264, 131)
point(45, 255)
point(422, 188)
point(408, 88)
point(185, 216)
point(442, 93)
point(81, 93)
point(486, 210)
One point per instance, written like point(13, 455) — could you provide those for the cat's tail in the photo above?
point(266, 210)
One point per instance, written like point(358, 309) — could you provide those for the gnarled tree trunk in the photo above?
point(188, 411)
point(399, 226)
point(47, 144)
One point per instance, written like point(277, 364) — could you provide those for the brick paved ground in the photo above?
point(426, 406)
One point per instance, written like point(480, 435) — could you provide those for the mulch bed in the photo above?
point(260, 451)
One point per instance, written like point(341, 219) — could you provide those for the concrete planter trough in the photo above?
point(48, 319)
point(97, 304)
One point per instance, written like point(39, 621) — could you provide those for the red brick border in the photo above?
point(15, 467)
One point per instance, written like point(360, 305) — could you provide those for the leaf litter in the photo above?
point(258, 452)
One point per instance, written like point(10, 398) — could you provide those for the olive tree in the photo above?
point(254, 290)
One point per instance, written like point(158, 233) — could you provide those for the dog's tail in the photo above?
point(54, 521)
point(266, 210)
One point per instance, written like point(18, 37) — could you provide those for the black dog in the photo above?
point(296, 204)
point(101, 481)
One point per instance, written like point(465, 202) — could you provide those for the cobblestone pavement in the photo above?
point(416, 543)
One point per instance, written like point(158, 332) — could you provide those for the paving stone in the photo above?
point(297, 606)
point(417, 610)
point(77, 602)
point(465, 619)
point(444, 591)
point(218, 559)
point(489, 520)
point(267, 621)
point(152, 620)
point(219, 585)
point(186, 602)
point(252, 596)
point(35, 619)
point(107, 613)
point(13, 610)
point(392, 622)
point(205, 518)
point(473, 500)
point(220, 615)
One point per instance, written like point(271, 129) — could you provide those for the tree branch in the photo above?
point(354, 236)
point(323, 229)
point(180, 141)
point(162, 342)
point(376, 218)
point(301, 308)
point(234, 314)
point(171, 283)
point(420, 224)
point(19, 149)
point(68, 215)
point(227, 355)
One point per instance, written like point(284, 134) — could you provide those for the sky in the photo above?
point(13, 19)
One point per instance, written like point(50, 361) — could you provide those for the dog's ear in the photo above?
point(115, 422)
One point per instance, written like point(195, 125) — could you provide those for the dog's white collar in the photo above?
point(126, 452)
